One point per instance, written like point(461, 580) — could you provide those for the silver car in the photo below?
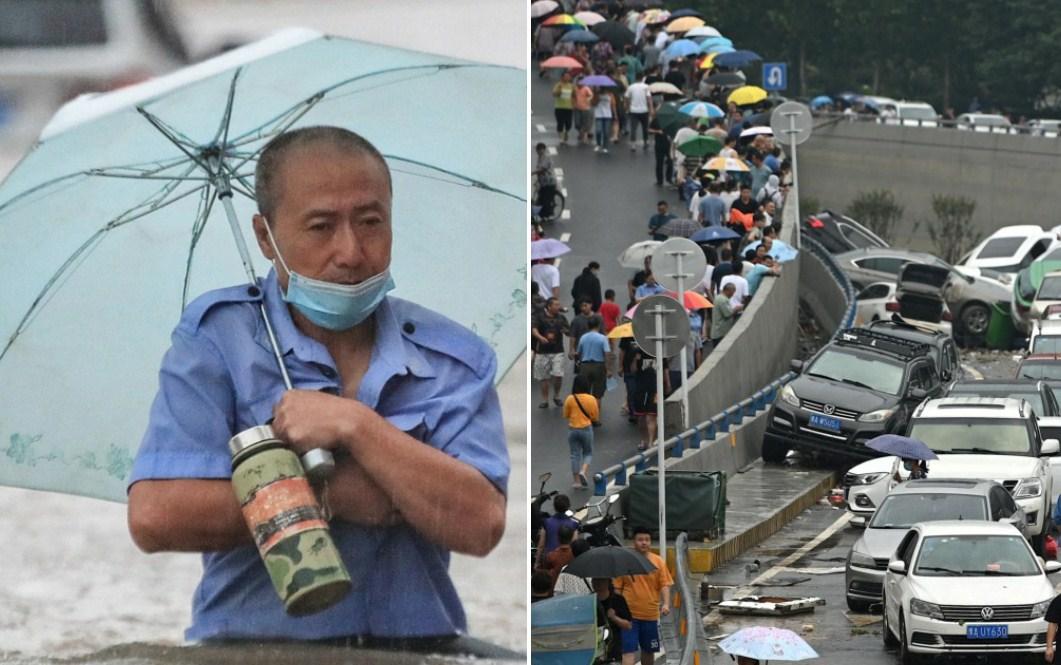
point(915, 501)
point(969, 293)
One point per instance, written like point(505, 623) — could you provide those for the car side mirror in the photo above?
point(1052, 567)
point(1050, 447)
point(898, 567)
point(917, 393)
point(797, 366)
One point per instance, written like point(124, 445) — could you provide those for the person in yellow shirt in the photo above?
point(648, 596)
point(581, 410)
point(563, 104)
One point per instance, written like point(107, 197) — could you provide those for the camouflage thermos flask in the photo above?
point(285, 519)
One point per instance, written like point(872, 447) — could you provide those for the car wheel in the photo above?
point(856, 605)
point(774, 450)
point(975, 318)
point(905, 657)
point(886, 631)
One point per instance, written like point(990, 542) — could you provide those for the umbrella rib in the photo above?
point(171, 135)
point(226, 117)
point(206, 204)
point(471, 181)
point(284, 121)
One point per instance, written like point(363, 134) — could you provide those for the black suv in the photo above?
point(862, 384)
point(943, 348)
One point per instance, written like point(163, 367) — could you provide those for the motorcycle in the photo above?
point(594, 520)
point(537, 515)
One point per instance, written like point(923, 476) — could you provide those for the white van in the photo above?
point(985, 122)
point(916, 114)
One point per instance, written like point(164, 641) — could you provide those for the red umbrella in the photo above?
point(561, 62)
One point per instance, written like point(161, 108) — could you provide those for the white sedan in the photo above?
point(966, 587)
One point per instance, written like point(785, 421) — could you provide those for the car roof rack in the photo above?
point(896, 346)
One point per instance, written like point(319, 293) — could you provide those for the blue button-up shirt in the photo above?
point(592, 347)
point(428, 376)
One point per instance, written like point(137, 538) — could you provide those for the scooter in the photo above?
point(594, 520)
point(537, 515)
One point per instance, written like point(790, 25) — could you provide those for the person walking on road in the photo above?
point(548, 332)
point(592, 354)
point(603, 112)
point(583, 107)
point(563, 105)
point(1053, 619)
point(645, 395)
point(662, 216)
point(639, 106)
point(724, 314)
point(549, 534)
point(648, 597)
point(543, 170)
point(547, 275)
point(609, 311)
point(587, 286)
point(581, 409)
point(664, 162)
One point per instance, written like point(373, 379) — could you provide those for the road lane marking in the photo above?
point(551, 150)
point(563, 190)
point(559, 172)
point(565, 215)
point(541, 128)
point(973, 371)
point(564, 237)
point(782, 565)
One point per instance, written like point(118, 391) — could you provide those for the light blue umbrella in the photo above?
point(779, 249)
point(681, 48)
point(702, 110)
point(820, 101)
point(580, 35)
point(113, 222)
point(767, 643)
point(712, 42)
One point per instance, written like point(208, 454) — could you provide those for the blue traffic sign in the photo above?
point(775, 75)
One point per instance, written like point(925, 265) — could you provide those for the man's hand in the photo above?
point(355, 497)
point(1049, 655)
point(665, 610)
point(307, 419)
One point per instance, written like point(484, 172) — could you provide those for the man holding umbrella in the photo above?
point(372, 373)
point(648, 597)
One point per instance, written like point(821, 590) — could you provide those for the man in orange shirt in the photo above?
point(583, 105)
point(648, 597)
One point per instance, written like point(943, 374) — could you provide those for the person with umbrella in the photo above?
point(324, 220)
point(659, 220)
point(648, 597)
point(617, 613)
point(563, 105)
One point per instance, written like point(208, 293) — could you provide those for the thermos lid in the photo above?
point(249, 438)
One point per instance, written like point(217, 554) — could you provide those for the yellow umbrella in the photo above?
point(654, 16)
point(749, 94)
point(725, 164)
point(621, 331)
point(684, 24)
point(708, 62)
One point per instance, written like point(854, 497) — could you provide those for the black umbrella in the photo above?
point(726, 79)
point(609, 561)
point(616, 34)
point(678, 13)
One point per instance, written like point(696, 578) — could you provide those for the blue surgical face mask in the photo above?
point(328, 304)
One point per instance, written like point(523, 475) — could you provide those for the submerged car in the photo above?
point(966, 587)
point(916, 501)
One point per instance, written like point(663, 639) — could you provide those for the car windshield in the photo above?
point(1033, 397)
point(1032, 369)
point(876, 373)
point(949, 556)
point(1047, 344)
point(1050, 289)
point(998, 248)
point(953, 435)
point(900, 511)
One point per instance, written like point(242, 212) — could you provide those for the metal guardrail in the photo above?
point(690, 630)
point(839, 275)
point(1051, 132)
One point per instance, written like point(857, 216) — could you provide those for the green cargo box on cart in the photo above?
point(696, 503)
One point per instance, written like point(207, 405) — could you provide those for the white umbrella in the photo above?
point(703, 31)
point(548, 248)
point(542, 7)
point(590, 18)
point(664, 88)
point(756, 131)
point(634, 255)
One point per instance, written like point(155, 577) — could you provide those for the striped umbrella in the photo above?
point(702, 110)
point(725, 164)
point(562, 19)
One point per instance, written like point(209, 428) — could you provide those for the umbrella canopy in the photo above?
point(679, 228)
point(700, 146)
point(767, 643)
point(589, 18)
point(747, 95)
point(561, 20)
point(687, 11)
point(610, 561)
point(727, 79)
point(548, 248)
point(692, 300)
point(113, 223)
point(901, 446)
point(622, 330)
point(737, 59)
point(684, 24)
point(543, 7)
point(670, 118)
point(708, 44)
point(681, 48)
point(725, 164)
point(703, 31)
point(580, 36)
point(780, 250)
point(709, 60)
point(714, 234)
point(702, 110)
point(634, 255)
point(655, 16)
point(561, 62)
point(598, 81)
point(756, 131)
point(820, 101)
point(616, 34)
point(664, 88)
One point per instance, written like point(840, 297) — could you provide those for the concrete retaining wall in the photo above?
point(1013, 179)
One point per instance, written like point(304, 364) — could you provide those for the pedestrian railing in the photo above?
point(839, 275)
point(690, 632)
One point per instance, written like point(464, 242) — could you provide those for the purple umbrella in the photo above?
point(901, 446)
point(598, 80)
point(548, 248)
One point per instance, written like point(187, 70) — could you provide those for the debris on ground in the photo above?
point(770, 605)
point(861, 620)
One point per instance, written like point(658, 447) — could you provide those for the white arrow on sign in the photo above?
point(775, 77)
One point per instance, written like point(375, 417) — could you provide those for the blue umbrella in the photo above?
point(901, 446)
point(707, 44)
point(717, 48)
point(678, 13)
point(113, 223)
point(580, 36)
point(780, 250)
point(767, 643)
point(682, 48)
point(714, 234)
point(599, 81)
point(820, 101)
point(737, 59)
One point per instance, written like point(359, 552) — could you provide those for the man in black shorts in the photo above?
point(612, 608)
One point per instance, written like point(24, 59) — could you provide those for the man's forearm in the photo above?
point(447, 501)
point(186, 515)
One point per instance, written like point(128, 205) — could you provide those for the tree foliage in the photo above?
point(1003, 52)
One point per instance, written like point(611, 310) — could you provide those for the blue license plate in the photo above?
point(987, 632)
point(825, 422)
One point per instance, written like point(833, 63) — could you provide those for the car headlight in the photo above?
point(1039, 609)
point(1028, 488)
point(867, 478)
point(924, 609)
point(788, 395)
point(862, 560)
point(877, 416)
